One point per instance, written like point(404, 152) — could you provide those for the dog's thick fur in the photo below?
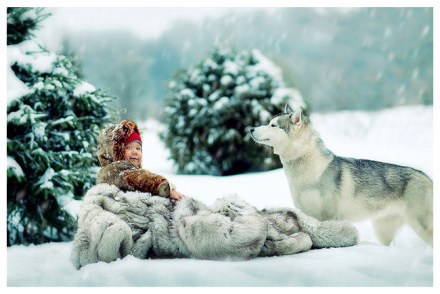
point(113, 223)
point(329, 187)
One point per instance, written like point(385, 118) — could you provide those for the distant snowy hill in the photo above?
point(402, 135)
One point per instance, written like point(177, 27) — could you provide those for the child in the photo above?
point(120, 155)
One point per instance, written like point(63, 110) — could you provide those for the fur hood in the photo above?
point(112, 142)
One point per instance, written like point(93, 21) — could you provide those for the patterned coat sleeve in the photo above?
point(112, 174)
point(146, 181)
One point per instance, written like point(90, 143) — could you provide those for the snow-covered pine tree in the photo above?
point(212, 106)
point(53, 119)
point(22, 21)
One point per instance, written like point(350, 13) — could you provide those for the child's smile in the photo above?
point(133, 153)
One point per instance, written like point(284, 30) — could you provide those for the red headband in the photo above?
point(133, 137)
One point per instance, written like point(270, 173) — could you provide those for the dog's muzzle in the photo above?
point(252, 130)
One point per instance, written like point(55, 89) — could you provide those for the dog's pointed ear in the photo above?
point(287, 108)
point(296, 117)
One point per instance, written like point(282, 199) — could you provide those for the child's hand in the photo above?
point(176, 195)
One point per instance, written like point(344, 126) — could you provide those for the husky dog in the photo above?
point(329, 187)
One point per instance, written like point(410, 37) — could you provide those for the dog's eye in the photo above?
point(273, 126)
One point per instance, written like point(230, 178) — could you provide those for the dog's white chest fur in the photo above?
point(304, 189)
point(309, 201)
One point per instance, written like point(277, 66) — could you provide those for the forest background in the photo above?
point(338, 58)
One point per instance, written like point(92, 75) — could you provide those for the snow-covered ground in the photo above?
point(401, 135)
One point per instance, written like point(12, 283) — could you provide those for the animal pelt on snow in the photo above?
point(114, 223)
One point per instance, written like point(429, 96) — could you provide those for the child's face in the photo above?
point(133, 153)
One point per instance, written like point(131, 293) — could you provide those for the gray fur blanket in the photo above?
point(113, 223)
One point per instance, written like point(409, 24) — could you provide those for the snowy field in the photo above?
point(401, 135)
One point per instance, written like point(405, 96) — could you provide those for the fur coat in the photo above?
point(114, 223)
point(121, 173)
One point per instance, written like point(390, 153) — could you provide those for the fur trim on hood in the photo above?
point(112, 142)
point(121, 133)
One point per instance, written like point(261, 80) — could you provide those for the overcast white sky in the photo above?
point(145, 22)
